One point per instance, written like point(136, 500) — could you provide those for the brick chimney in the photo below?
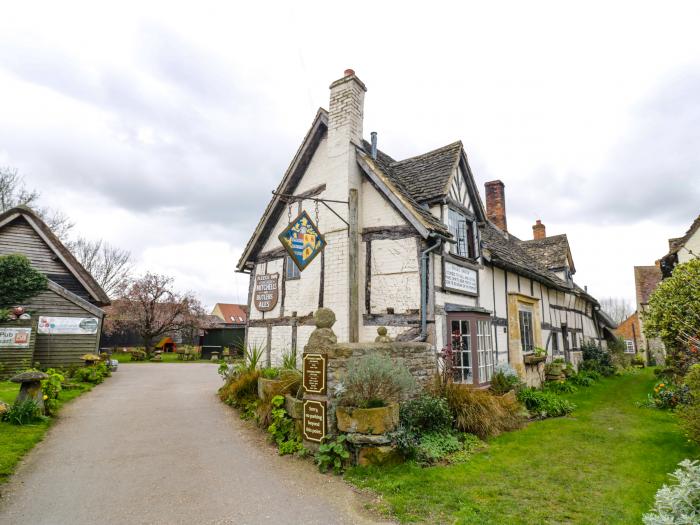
point(538, 230)
point(346, 109)
point(496, 203)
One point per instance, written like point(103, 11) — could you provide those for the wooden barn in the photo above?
point(67, 316)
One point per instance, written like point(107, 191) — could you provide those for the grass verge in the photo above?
point(17, 440)
point(603, 464)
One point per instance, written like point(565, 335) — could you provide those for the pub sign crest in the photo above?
point(302, 240)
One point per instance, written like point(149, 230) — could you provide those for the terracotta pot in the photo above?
point(368, 420)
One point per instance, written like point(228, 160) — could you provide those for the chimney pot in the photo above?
point(496, 203)
point(349, 72)
point(374, 144)
point(538, 230)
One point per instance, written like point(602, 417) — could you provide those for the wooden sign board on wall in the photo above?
point(314, 374)
point(266, 291)
point(314, 422)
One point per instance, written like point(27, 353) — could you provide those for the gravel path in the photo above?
point(154, 445)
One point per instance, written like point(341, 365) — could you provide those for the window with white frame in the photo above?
point(462, 351)
point(484, 349)
point(292, 269)
point(629, 346)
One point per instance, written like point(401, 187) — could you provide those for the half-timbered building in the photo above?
point(409, 245)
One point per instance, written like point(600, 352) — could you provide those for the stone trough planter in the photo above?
point(368, 420)
point(268, 388)
point(294, 406)
point(532, 359)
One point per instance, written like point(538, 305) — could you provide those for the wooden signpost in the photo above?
point(314, 374)
point(266, 291)
point(314, 427)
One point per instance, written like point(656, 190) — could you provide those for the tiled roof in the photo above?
point(384, 162)
point(233, 313)
point(675, 244)
point(507, 252)
point(552, 252)
point(427, 177)
point(646, 279)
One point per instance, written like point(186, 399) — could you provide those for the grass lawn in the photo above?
point(169, 357)
point(15, 440)
point(603, 464)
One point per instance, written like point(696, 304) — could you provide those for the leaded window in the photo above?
point(526, 332)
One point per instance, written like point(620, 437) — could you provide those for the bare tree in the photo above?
point(109, 265)
point(13, 192)
point(151, 307)
point(618, 308)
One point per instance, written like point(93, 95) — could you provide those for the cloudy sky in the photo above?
point(163, 129)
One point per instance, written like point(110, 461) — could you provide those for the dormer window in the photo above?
point(462, 229)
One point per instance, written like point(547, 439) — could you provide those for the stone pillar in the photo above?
point(316, 389)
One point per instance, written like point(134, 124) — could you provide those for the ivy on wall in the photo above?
point(18, 280)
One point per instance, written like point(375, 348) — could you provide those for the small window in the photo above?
point(484, 347)
point(555, 343)
point(292, 269)
point(629, 346)
point(462, 230)
point(574, 343)
point(526, 334)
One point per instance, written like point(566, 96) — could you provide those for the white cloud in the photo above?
point(163, 126)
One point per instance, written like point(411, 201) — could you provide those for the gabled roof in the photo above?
point(552, 252)
point(427, 177)
point(506, 252)
point(292, 176)
point(417, 215)
point(677, 243)
point(232, 313)
point(646, 279)
point(62, 253)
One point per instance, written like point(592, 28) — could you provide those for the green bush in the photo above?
point(23, 413)
point(240, 389)
point(584, 378)
point(690, 413)
point(426, 414)
point(436, 446)
point(332, 454)
point(375, 380)
point(504, 380)
point(138, 355)
point(94, 374)
point(282, 429)
point(544, 403)
point(52, 388)
point(560, 387)
point(270, 373)
point(596, 359)
point(678, 503)
point(481, 413)
point(18, 280)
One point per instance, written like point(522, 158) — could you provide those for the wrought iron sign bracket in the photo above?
point(297, 198)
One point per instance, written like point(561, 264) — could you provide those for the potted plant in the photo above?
point(555, 368)
point(537, 356)
point(369, 394)
point(273, 381)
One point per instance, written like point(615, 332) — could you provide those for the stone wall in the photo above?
point(418, 358)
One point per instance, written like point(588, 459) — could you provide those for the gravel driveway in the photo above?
point(155, 445)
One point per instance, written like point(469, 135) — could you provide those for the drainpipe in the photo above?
point(424, 287)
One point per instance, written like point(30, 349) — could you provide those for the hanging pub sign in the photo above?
point(266, 291)
point(302, 240)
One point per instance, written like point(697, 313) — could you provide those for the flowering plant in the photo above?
point(668, 395)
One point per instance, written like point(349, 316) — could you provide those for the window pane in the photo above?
point(526, 337)
point(485, 351)
point(461, 347)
